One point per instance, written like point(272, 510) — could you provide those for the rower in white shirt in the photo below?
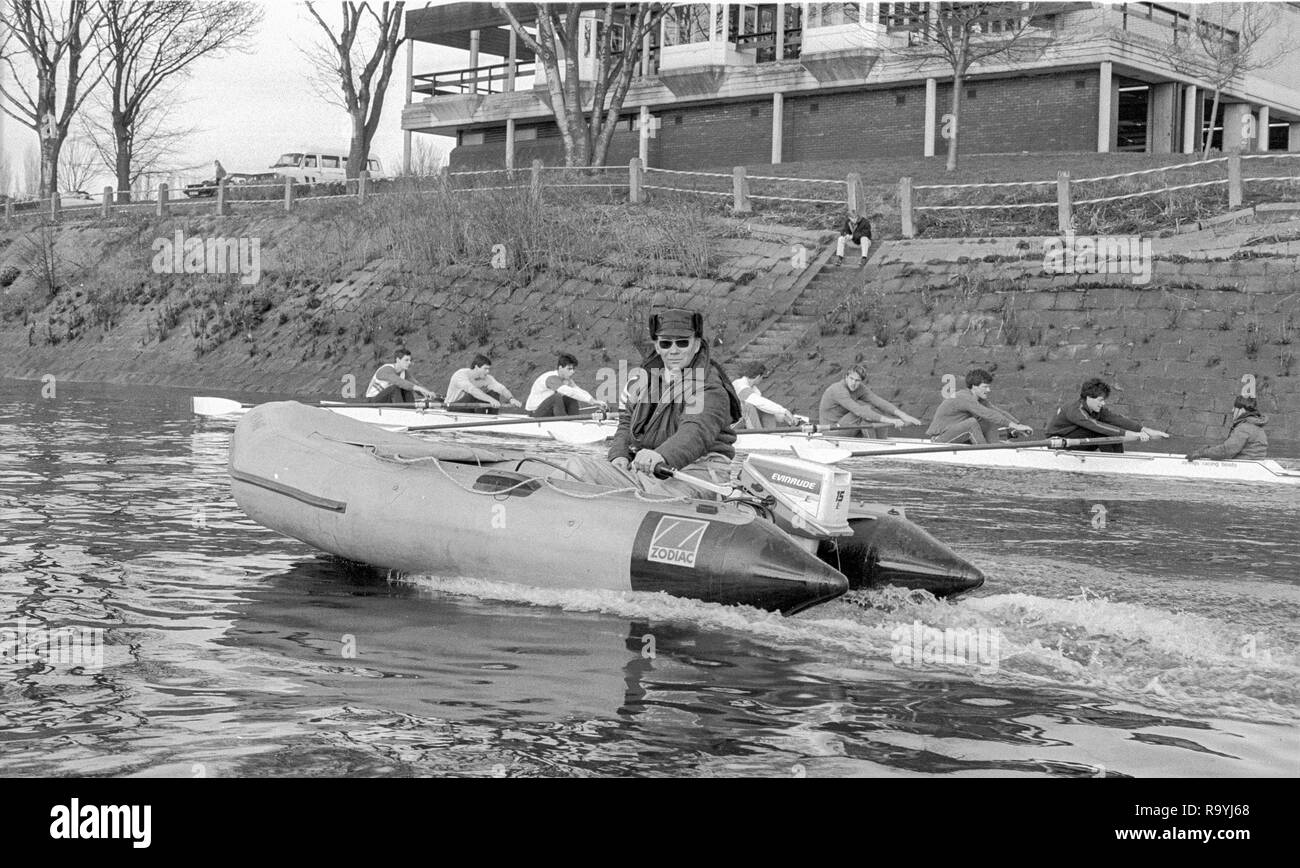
point(555, 394)
point(757, 411)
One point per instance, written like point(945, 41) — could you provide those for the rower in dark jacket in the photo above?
point(1246, 438)
point(1089, 417)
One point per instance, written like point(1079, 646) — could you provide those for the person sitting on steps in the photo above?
point(855, 229)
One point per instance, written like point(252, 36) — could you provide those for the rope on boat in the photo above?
point(542, 480)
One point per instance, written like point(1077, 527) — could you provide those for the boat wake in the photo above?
point(1132, 653)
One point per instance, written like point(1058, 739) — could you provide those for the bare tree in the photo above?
point(425, 159)
point(1228, 40)
point(346, 60)
point(155, 141)
point(145, 49)
point(587, 120)
point(77, 163)
point(49, 51)
point(963, 36)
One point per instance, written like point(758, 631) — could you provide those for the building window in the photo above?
point(753, 112)
point(812, 108)
point(525, 134)
point(677, 120)
point(1080, 83)
point(471, 138)
point(971, 93)
point(900, 99)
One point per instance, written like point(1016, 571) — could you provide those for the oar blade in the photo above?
point(215, 406)
point(821, 453)
point(586, 435)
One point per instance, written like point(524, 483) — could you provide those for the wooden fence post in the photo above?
point(853, 192)
point(288, 195)
point(363, 181)
point(9, 212)
point(1064, 209)
point(162, 210)
point(740, 191)
point(905, 207)
point(634, 181)
point(107, 204)
point(537, 179)
point(54, 205)
point(222, 208)
point(1234, 180)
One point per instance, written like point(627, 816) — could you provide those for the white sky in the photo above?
point(248, 108)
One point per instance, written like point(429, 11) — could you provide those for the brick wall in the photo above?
point(1056, 112)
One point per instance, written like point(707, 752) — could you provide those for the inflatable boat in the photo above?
point(790, 537)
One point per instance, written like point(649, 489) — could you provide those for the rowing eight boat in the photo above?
point(826, 449)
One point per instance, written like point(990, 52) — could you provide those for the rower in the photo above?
point(1090, 417)
point(848, 403)
point(475, 385)
point(555, 394)
point(968, 417)
point(757, 411)
point(391, 384)
point(1246, 438)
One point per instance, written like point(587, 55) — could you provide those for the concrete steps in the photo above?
point(799, 325)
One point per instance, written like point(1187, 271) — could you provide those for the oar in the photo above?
point(226, 407)
point(811, 428)
point(812, 451)
point(496, 422)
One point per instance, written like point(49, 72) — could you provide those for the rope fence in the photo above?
point(537, 178)
point(1067, 190)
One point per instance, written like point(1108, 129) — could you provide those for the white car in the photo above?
point(313, 166)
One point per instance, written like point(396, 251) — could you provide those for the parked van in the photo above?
point(312, 166)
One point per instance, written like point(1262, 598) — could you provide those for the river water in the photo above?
point(1129, 627)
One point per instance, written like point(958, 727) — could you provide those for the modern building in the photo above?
point(724, 84)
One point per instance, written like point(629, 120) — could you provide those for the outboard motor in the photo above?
point(811, 500)
point(871, 544)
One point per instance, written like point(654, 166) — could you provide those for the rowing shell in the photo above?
point(1159, 464)
point(1162, 464)
point(400, 418)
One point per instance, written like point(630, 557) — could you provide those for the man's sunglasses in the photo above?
point(681, 343)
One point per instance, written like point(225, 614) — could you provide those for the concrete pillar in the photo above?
point(1293, 138)
point(510, 143)
point(646, 48)
point(1234, 180)
point(1191, 120)
point(778, 125)
point(410, 91)
point(1234, 119)
point(780, 31)
point(473, 56)
point(54, 204)
point(725, 35)
point(107, 203)
point(1261, 143)
point(222, 207)
point(288, 195)
point(853, 192)
point(643, 139)
point(1106, 107)
point(512, 54)
point(363, 185)
point(931, 109)
point(1160, 130)
point(163, 207)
